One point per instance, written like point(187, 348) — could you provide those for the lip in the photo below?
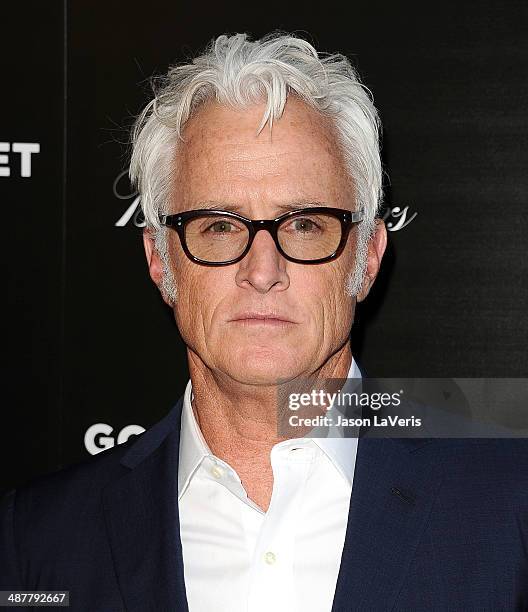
point(259, 318)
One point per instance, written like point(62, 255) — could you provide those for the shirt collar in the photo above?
point(194, 448)
point(340, 450)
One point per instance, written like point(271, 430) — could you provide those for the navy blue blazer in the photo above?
point(433, 525)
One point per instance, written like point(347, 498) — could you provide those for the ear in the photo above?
point(376, 248)
point(155, 265)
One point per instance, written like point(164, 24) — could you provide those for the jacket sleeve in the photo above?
point(9, 574)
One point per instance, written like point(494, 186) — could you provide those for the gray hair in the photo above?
point(236, 71)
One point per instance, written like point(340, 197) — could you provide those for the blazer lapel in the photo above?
point(395, 484)
point(142, 521)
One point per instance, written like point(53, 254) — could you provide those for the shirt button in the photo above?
point(217, 471)
point(270, 558)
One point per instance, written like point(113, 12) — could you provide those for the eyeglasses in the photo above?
point(219, 238)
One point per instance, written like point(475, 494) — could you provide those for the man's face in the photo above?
point(224, 162)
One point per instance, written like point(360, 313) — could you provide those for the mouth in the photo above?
point(262, 319)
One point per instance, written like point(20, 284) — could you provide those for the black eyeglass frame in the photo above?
point(178, 222)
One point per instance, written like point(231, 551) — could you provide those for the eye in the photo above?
point(223, 226)
point(303, 225)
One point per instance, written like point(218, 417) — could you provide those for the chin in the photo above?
point(265, 365)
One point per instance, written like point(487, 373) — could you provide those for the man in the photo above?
point(259, 172)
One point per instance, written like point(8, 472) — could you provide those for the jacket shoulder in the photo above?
point(52, 512)
point(86, 476)
point(496, 468)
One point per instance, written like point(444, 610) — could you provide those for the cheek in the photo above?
point(200, 291)
point(321, 290)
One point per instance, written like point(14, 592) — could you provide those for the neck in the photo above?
point(239, 421)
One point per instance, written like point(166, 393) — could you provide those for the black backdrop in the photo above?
point(88, 340)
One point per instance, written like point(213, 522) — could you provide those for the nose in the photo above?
point(263, 268)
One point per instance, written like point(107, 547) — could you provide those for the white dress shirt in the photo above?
point(238, 558)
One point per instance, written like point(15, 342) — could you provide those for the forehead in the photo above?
point(222, 157)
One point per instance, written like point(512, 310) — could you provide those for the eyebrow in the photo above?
point(283, 207)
